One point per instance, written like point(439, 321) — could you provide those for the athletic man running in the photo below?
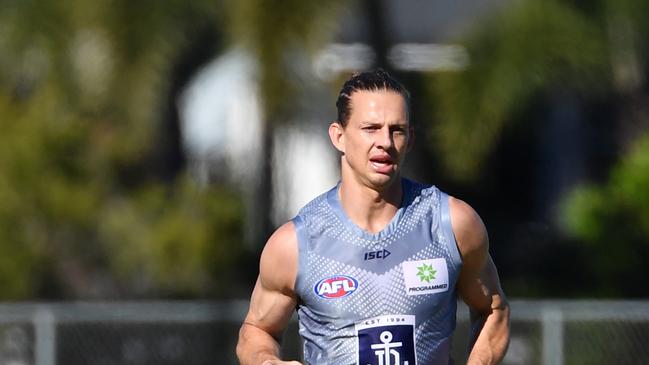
point(374, 266)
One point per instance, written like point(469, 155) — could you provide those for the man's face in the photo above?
point(375, 140)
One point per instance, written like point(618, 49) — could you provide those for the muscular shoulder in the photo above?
point(469, 230)
point(278, 263)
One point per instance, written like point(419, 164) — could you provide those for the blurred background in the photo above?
point(148, 149)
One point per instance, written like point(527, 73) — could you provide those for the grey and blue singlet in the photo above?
point(385, 298)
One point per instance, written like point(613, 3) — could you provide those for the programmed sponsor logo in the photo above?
point(425, 276)
point(334, 287)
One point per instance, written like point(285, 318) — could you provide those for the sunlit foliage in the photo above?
point(528, 47)
point(82, 89)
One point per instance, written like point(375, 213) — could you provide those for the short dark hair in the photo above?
point(367, 81)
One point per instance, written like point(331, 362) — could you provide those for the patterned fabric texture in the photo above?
point(358, 302)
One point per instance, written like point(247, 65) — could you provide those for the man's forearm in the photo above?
point(490, 336)
point(256, 346)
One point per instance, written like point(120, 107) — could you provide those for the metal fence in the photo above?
point(543, 332)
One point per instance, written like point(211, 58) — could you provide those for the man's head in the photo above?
point(367, 81)
point(373, 131)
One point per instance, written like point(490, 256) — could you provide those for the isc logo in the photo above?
point(335, 287)
point(380, 254)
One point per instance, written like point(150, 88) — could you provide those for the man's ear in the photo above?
point(336, 134)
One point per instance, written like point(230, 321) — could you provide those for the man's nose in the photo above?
point(384, 138)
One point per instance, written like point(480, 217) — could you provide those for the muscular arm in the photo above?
point(273, 300)
point(479, 287)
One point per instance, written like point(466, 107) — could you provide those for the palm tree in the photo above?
point(594, 50)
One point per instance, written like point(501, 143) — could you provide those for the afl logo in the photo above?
point(335, 287)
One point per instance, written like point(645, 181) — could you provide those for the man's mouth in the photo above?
point(382, 164)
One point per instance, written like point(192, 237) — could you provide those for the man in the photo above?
point(375, 264)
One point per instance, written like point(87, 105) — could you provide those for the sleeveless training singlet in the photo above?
point(380, 299)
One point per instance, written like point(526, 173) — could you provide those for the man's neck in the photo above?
point(370, 209)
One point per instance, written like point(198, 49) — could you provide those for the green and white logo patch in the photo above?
point(426, 272)
point(425, 276)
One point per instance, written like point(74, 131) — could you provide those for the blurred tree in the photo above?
point(584, 48)
point(278, 35)
point(529, 47)
point(90, 207)
point(614, 220)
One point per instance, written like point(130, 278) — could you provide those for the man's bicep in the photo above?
point(273, 299)
point(270, 309)
point(481, 289)
point(260, 334)
point(476, 282)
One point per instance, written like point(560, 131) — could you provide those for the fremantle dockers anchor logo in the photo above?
point(385, 352)
point(386, 340)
